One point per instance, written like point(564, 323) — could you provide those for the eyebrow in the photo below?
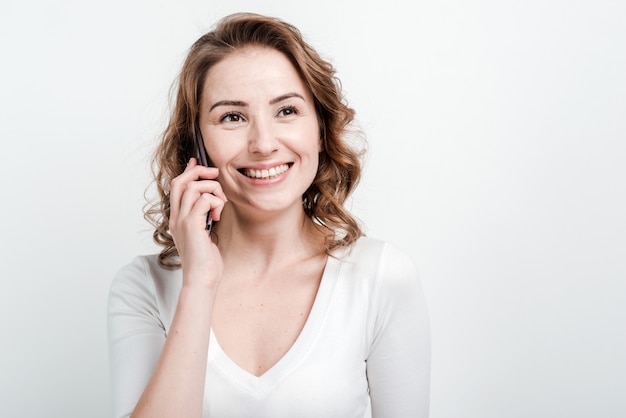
point(244, 104)
point(285, 97)
point(228, 103)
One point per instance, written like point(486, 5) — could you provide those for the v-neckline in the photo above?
point(296, 353)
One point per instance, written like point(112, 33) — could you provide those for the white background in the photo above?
point(496, 133)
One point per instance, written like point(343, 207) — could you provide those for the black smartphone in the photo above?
point(202, 158)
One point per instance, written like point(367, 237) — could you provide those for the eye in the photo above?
point(232, 117)
point(288, 111)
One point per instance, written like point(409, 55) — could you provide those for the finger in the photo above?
point(179, 184)
point(193, 192)
point(177, 188)
point(207, 186)
point(216, 212)
point(195, 171)
point(206, 203)
point(191, 178)
point(191, 173)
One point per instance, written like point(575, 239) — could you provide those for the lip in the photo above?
point(265, 166)
point(262, 173)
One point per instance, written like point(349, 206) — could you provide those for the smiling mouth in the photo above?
point(265, 173)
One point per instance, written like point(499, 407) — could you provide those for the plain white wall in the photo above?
point(497, 145)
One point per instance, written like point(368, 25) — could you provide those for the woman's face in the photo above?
point(260, 129)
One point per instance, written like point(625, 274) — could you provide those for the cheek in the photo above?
point(219, 156)
point(315, 163)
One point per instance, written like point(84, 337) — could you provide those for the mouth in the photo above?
point(265, 173)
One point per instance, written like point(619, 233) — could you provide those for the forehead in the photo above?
point(251, 72)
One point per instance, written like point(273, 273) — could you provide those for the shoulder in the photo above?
point(144, 285)
point(381, 259)
point(142, 273)
point(379, 269)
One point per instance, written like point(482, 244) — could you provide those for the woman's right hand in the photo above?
point(190, 200)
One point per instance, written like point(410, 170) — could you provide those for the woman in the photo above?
point(284, 309)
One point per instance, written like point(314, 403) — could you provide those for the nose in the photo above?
point(262, 138)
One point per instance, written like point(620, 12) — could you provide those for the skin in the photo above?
point(255, 113)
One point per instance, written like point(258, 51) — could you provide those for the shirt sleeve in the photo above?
point(135, 335)
point(398, 364)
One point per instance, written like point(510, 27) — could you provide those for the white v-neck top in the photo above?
point(365, 340)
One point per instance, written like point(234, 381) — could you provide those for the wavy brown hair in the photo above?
point(339, 168)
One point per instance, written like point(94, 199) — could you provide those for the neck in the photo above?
point(265, 239)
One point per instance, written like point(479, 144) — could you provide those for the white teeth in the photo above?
point(265, 174)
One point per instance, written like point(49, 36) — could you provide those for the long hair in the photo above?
point(339, 168)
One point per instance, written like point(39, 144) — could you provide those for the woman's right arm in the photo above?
point(176, 386)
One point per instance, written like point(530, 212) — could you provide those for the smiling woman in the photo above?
point(284, 309)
